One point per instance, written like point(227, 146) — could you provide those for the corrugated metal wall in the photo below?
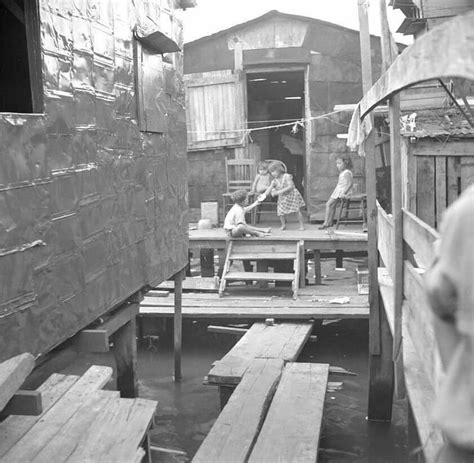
point(91, 208)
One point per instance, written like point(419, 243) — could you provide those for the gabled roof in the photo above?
point(270, 15)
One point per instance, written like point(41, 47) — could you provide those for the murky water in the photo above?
point(188, 410)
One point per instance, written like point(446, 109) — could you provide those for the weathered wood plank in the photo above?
point(452, 172)
point(385, 238)
point(235, 430)
point(421, 394)
point(97, 339)
point(386, 292)
point(467, 171)
point(12, 374)
point(190, 284)
point(428, 147)
point(14, 427)
point(284, 341)
point(441, 194)
point(291, 429)
point(259, 276)
point(106, 428)
point(425, 190)
point(419, 323)
point(324, 311)
point(420, 237)
point(44, 430)
point(125, 355)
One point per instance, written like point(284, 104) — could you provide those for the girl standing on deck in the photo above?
point(289, 198)
point(343, 188)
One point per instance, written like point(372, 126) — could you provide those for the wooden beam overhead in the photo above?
point(423, 61)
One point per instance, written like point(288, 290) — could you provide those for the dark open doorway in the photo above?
point(274, 98)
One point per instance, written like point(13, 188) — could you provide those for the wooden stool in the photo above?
point(353, 203)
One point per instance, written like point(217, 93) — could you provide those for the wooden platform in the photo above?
point(347, 239)
point(79, 422)
point(243, 302)
point(281, 341)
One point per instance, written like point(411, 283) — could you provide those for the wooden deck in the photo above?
point(243, 302)
point(346, 238)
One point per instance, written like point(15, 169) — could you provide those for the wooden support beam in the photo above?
point(317, 266)
point(226, 330)
point(97, 339)
point(24, 403)
point(178, 324)
point(125, 353)
point(13, 373)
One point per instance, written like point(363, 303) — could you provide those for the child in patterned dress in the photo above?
point(289, 198)
point(343, 188)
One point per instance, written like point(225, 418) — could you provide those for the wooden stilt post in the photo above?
point(178, 324)
point(380, 352)
point(125, 353)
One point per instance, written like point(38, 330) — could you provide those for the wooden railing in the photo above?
point(421, 363)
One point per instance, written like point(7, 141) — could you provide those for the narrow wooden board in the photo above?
point(14, 427)
point(324, 311)
point(13, 373)
point(421, 394)
point(190, 284)
point(386, 291)
point(54, 419)
point(235, 430)
point(282, 341)
point(263, 256)
point(292, 426)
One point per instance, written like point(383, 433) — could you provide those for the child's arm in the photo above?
point(254, 185)
point(288, 187)
point(267, 191)
point(253, 205)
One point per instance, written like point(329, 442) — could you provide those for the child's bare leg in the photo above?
point(332, 212)
point(257, 229)
point(283, 222)
point(300, 219)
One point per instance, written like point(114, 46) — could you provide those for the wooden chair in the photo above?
point(354, 203)
point(270, 205)
point(240, 174)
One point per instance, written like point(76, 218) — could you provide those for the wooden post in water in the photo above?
point(125, 353)
point(380, 348)
point(178, 324)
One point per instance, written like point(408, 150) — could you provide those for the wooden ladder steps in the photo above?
point(259, 276)
point(264, 256)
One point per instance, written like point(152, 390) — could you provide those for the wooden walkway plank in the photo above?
point(38, 436)
point(13, 428)
point(292, 427)
point(234, 432)
point(282, 341)
point(13, 373)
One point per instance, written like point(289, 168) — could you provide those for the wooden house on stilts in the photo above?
point(281, 71)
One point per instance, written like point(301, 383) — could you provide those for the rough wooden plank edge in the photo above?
point(24, 403)
point(13, 373)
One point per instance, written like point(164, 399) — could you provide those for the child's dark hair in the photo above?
point(276, 166)
point(238, 196)
point(262, 165)
point(346, 159)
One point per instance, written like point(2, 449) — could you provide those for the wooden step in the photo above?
point(259, 276)
point(255, 255)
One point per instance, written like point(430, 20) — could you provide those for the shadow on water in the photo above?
point(187, 410)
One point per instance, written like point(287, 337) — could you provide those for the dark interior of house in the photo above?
point(15, 91)
point(278, 98)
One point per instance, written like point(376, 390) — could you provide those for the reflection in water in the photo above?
point(186, 411)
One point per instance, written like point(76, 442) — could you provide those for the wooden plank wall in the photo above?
point(437, 173)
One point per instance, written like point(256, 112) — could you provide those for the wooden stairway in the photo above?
point(262, 251)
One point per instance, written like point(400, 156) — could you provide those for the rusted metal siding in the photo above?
point(91, 208)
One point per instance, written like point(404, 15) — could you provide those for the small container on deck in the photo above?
point(362, 280)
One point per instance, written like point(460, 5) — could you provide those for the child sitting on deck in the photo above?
point(342, 190)
point(235, 225)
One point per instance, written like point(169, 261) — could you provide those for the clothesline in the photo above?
point(296, 123)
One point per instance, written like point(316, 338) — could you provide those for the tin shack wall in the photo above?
point(91, 208)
